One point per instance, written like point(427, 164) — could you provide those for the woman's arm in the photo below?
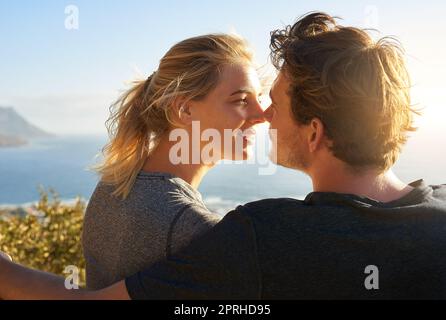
point(21, 283)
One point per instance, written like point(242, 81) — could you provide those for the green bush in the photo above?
point(47, 237)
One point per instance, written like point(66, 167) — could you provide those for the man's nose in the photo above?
point(268, 114)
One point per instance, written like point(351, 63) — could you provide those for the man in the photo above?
point(341, 108)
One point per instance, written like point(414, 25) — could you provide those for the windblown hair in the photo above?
point(359, 88)
point(142, 115)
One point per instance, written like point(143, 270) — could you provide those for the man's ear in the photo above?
point(181, 111)
point(316, 134)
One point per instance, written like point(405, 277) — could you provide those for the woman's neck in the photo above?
point(159, 161)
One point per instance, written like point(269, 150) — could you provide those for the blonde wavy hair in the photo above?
point(143, 114)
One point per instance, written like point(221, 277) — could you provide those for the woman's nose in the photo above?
point(256, 113)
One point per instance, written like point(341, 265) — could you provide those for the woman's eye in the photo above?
point(242, 102)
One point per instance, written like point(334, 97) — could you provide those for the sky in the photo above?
point(64, 79)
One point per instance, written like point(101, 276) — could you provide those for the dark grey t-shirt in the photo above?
point(318, 248)
point(161, 214)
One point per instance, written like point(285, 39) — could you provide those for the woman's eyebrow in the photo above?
point(246, 91)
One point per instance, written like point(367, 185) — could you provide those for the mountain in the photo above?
point(15, 130)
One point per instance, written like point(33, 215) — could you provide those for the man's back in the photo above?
point(319, 248)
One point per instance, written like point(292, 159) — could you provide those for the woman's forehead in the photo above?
point(239, 78)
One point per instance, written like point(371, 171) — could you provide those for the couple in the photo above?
point(341, 108)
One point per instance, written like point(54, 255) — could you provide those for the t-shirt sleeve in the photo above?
point(190, 223)
point(220, 264)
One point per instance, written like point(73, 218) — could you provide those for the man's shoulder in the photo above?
point(275, 202)
point(272, 206)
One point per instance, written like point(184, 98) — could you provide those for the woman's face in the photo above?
point(231, 108)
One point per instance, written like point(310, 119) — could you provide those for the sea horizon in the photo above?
point(61, 164)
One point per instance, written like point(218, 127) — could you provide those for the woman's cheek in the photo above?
point(230, 118)
point(238, 118)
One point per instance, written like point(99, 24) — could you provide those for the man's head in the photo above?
point(339, 94)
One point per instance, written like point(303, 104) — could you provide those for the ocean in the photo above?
point(62, 164)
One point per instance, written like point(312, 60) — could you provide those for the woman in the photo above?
point(147, 203)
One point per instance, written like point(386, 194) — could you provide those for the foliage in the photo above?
point(46, 236)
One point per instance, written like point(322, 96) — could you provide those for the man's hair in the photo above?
point(358, 88)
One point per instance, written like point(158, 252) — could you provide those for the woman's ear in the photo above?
point(182, 112)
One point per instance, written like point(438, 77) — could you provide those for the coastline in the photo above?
point(12, 141)
point(29, 208)
point(215, 204)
